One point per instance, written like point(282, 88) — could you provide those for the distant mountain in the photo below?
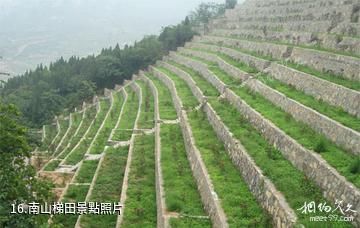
point(41, 31)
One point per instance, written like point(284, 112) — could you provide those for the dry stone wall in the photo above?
point(345, 66)
point(252, 61)
point(264, 191)
point(328, 41)
point(229, 69)
point(336, 132)
point(313, 165)
point(201, 69)
point(321, 89)
point(186, 77)
point(262, 188)
point(206, 189)
point(162, 221)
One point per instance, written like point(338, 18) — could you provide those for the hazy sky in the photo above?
point(35, 31)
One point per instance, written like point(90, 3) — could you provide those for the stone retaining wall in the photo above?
point(206, 189)
point(336, 132)
point(252, 61)
point(262, 188)
point(321, 89)
point(345, 66)
point(202, 69)
point(229, 69)
point(334, 94)
point(186, 77)
point(264, 191)
point(162, 221)
point(313, 165)
point(328, 41)
point(341, 135)
point(267, 49)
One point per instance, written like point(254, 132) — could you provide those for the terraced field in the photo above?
point(254, 124)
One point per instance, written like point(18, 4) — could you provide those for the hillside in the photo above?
point(242, 127)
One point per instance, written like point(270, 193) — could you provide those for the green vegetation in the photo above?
point(107, 188)
point(166, 109)
point(179, 185)
point(64, 124)
point(110, 122)
point(316, 47)
point(18, 182)
point(50, 131)
point(228, 183)
point(200, 82)
point(337, 79)
point(74, 194)
point(87, 171)
point(78, 154)
point(297, 189)
point(127, 122)
point(187, 95)
point(89, 116)
point(239, 204)
point(146, 120)
point(76, 119)
point(355, 85)
point(141, 197)
point(322, 107)
point(52, 165)
point(337, 157)
point(333, 112)
point(65, 84)
point(295, 186)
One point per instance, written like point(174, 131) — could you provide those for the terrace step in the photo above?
point(307, 161)
point(341, 135)
point(332, 93)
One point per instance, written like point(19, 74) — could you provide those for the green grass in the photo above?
point(337, 157)
point(187, 102)
point(239, 204)
point(146, 120)
point(140, 210)
point(78, 154)
point(89, 116)
point(179, 185)
point(51, 166)
point(64, 124)
point(291, 182)
point(50, 133)
point(107, 188)
point(296, 188)
point(202, 84)
point(316, 47)
point(354, 85)
point(322, 107)
point(333, 112)
point(166, 109)
point(127, 122)
point(189, 222)
point(76, 119)
point(304, 134)
point(337, 79)
point(74, 194)
point(110, 122)
point(87, 171)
